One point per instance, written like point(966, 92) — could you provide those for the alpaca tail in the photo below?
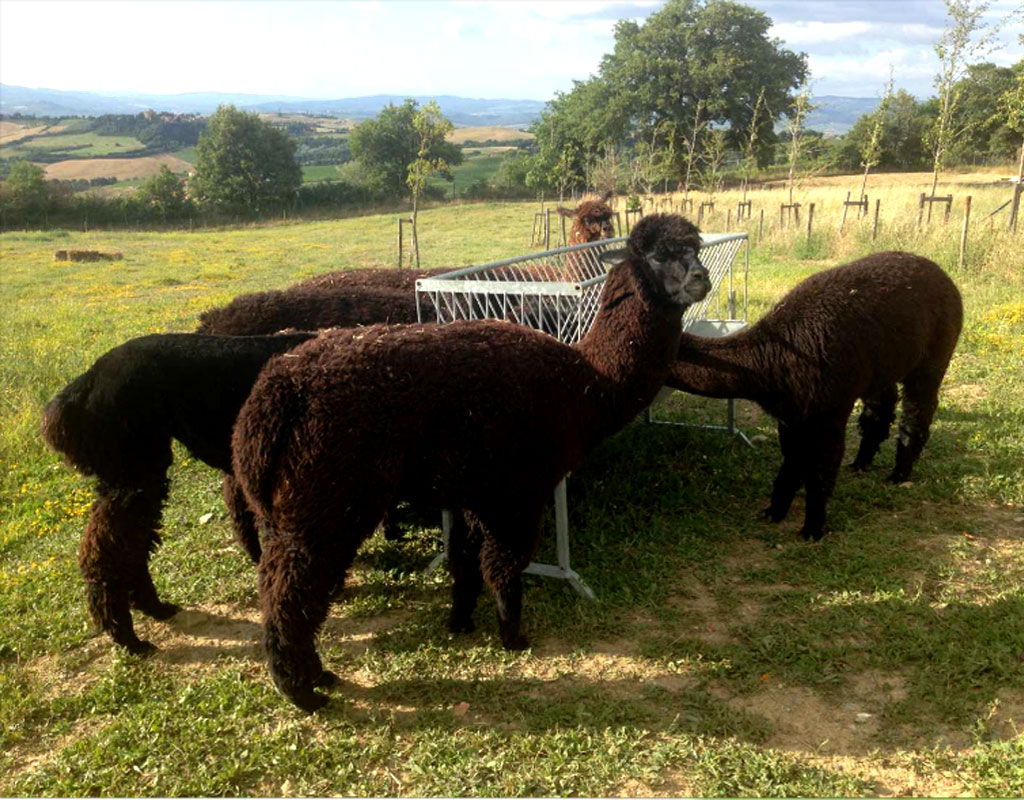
point(67, 429)
point(261, 437)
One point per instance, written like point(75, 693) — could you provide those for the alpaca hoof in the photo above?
point(771, 515)
point(812, 534)
point(857, 466)
point(517, 642)
point(161, 611)
point(307, 700)
point(897, 478)
point(326, 680)
point(140, 647)
point(392, 533)
point(461, 625)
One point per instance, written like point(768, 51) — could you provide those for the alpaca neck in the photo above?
point(731, 366)
point(633, 340)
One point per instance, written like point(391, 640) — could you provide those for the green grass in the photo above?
point(73, 145)
point(323, 172)
point(724, 657)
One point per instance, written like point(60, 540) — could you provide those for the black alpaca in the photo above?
point(854, 331)
point(116, 422)
point(481, 416)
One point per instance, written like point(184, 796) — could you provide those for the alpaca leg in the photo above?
point(507, 547)
point(464, 545)
point(791, 473)
point(242, 518)
point(874, 423)
point(298, 575)
point(920, 401)
point(113, 556)
point(822, 467)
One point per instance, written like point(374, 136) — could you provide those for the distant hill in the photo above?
point(463, 111)
point(835, 115)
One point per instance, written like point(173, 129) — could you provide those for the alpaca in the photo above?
point(371, 278)
point(309, 308)
point(446, 415)
point(116, 422)
point(853, 331)
point(591, 220)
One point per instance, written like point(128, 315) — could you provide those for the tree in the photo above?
point(431, 128)
point(712, 55)
point(978, 114)
point(1011, 105)
point(244, 164)
point(386, 145)
point(798, 112)
point(964, 38)
point(24, 194)
point(871, 152)
point(163, 192)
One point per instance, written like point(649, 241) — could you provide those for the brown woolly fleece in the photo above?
point(853, 331)
point(448, 415)
point(309, 308)
point(116, 422)
point(591, 220)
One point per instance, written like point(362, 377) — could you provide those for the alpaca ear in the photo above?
point(606, 196)
point(566, 212)
point(612, 257)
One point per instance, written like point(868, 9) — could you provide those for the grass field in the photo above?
point(724, 655)
point(78, 145)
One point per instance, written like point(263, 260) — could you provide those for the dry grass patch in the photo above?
point(124, 169)
point(486, 133)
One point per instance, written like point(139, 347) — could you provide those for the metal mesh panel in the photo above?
point(557, 291)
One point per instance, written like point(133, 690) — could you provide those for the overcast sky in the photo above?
point(516, 49)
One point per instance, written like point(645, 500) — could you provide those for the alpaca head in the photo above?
point(591, 221)
point(670, 245)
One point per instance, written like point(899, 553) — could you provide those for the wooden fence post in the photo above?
point(846, 205)
point(920, 210)
point(810, 221)
point(874, 224)
point(963, 232)
point(760, 228)
point(547, 229)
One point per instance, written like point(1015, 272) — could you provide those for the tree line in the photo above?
point(696, 96)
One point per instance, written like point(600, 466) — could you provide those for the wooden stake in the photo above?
point(810, 221)
point(920, 210)
point(874, 224)
point(846, 205)
point(963, 232)
point(760, 228)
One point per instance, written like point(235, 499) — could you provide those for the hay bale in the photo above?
point(86, 255)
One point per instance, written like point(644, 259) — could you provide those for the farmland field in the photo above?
point(124, 169)
point(79, 145)
point(724, 656)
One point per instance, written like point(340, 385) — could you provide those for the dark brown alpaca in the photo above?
point(309, 308)
point(854, 331)
point(591, 221)
point(387, 278)
point(116, 422)
point(445, 416)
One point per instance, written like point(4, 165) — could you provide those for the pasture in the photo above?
point(724, 655)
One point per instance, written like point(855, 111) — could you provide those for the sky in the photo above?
point(516, 49)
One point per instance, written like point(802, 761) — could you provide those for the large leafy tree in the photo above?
point(244, 164)
point(386, 145)
point(716, 53)
point(24, 194)
point(978, 113)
